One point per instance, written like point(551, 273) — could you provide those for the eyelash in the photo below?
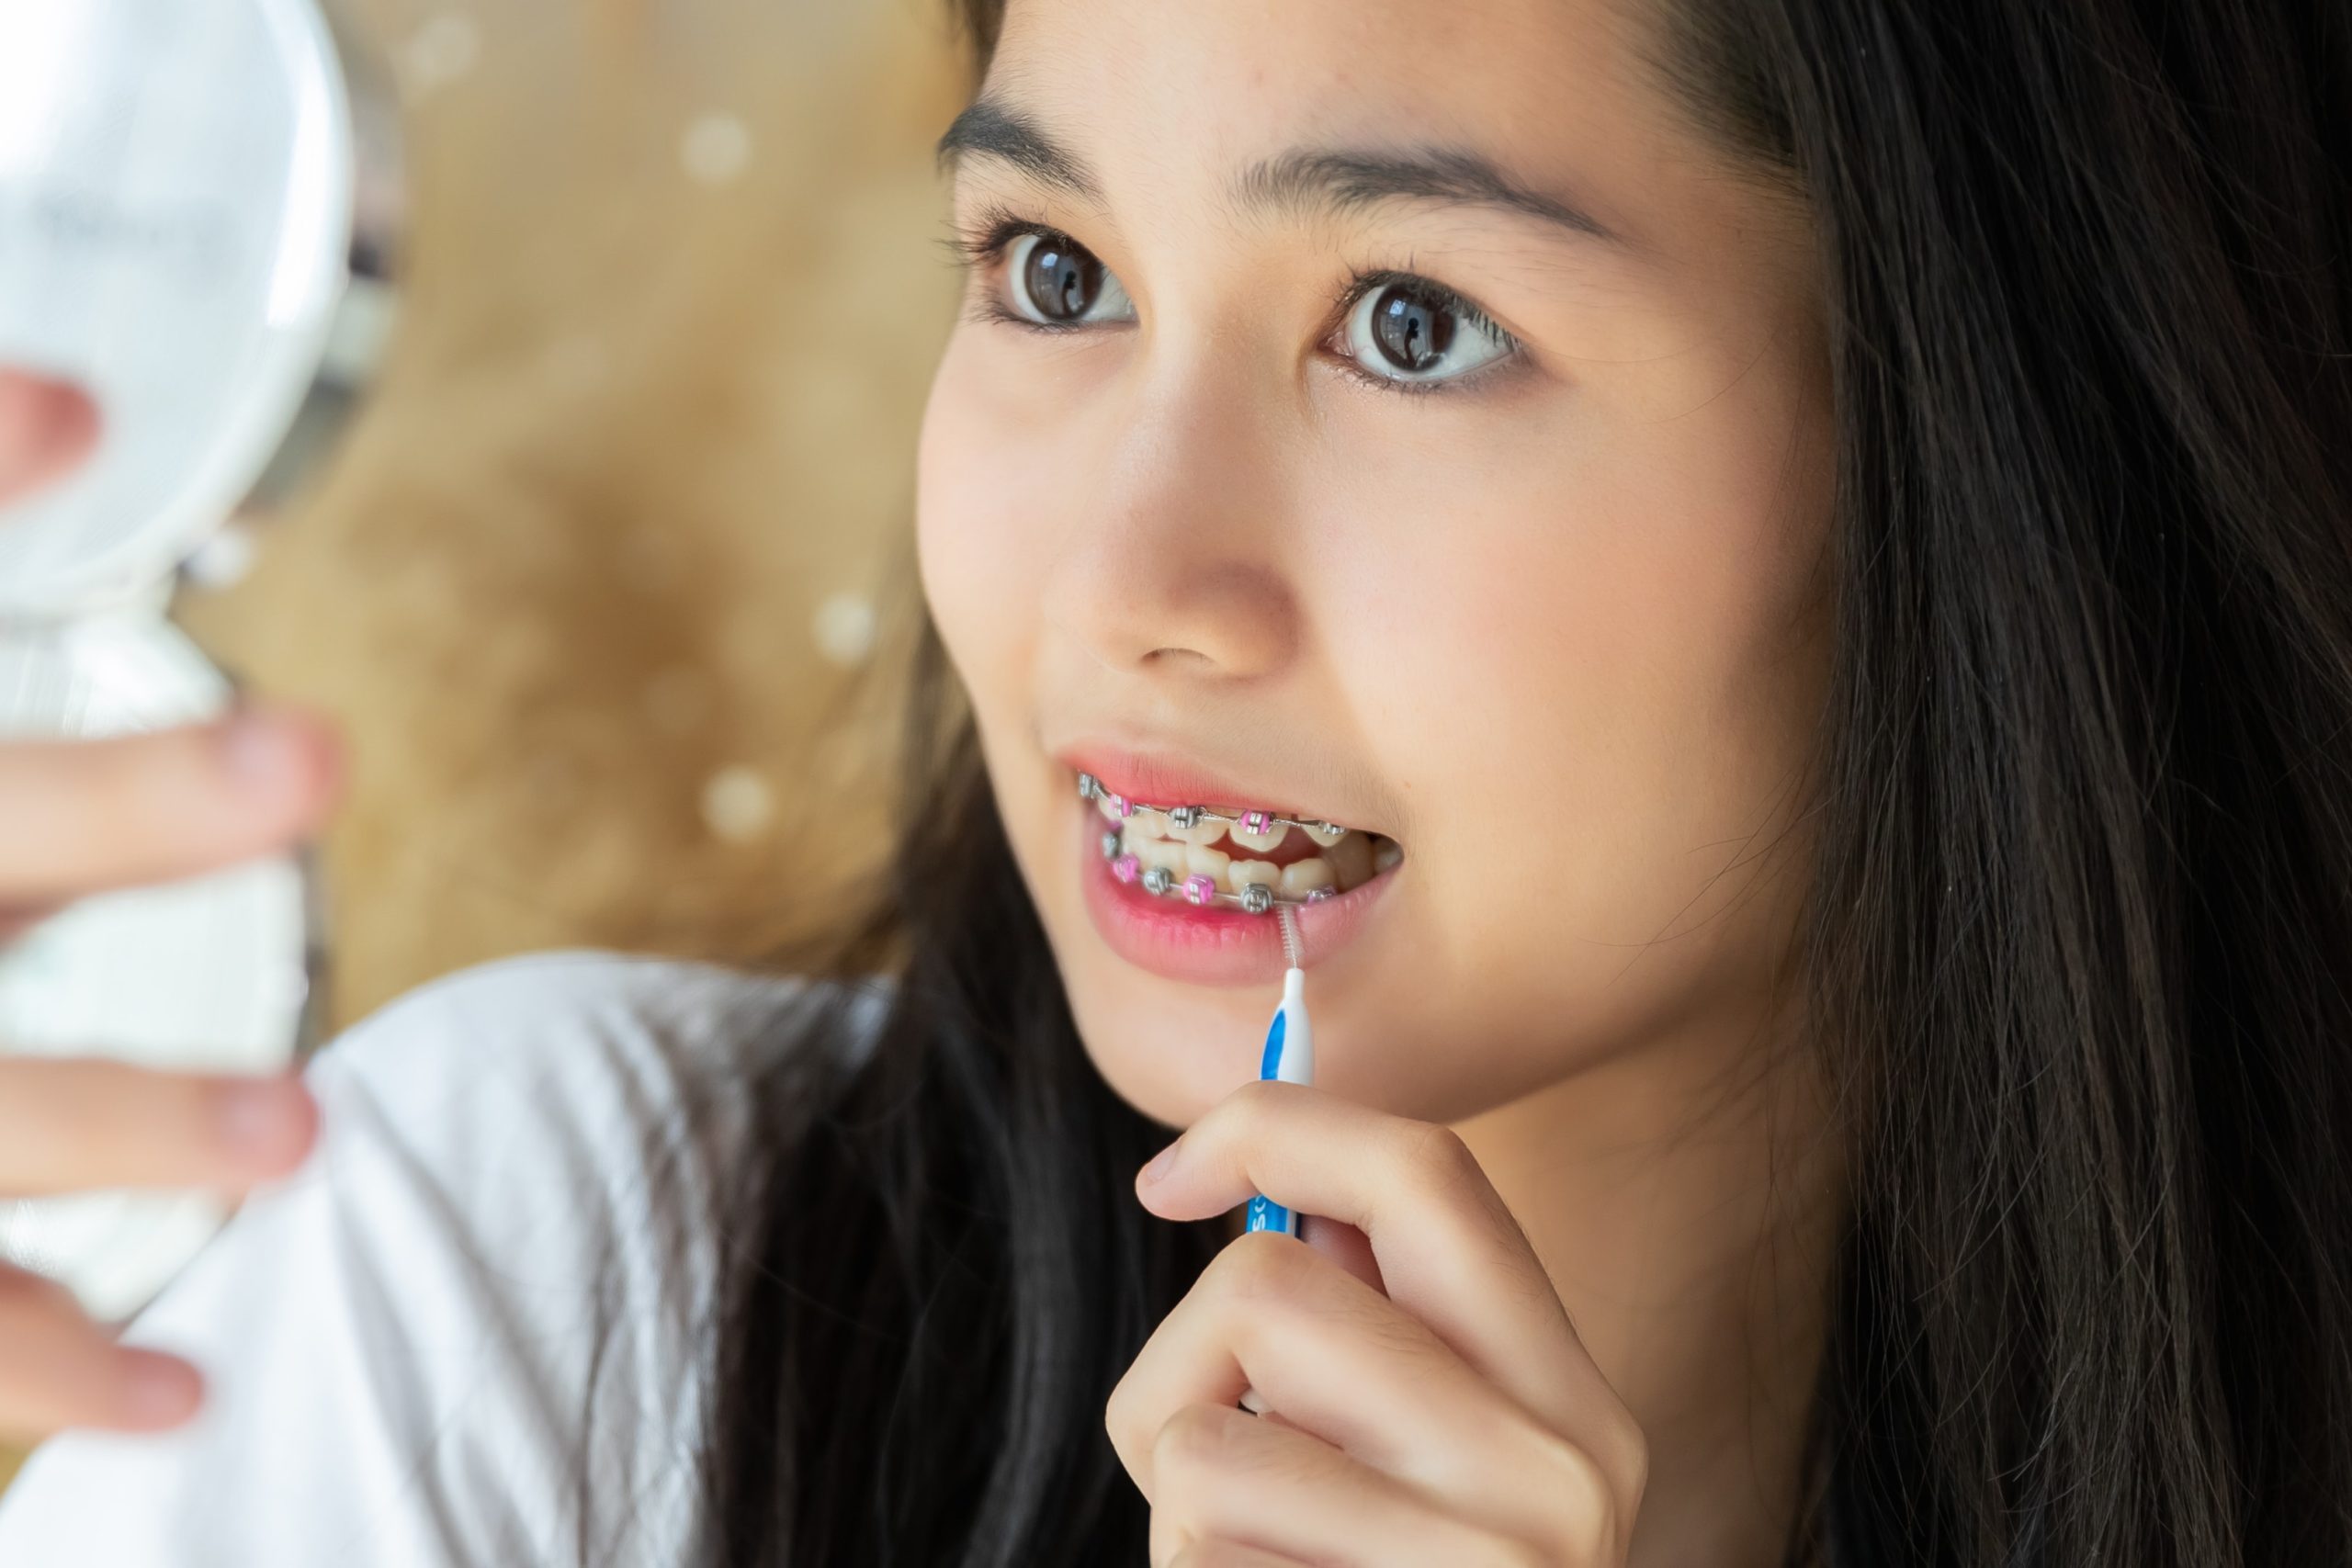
point(979, 247)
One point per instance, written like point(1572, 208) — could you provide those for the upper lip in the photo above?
point(1163, 778)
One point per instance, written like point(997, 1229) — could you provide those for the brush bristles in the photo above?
point(1291, 946)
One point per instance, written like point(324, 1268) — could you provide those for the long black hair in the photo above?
point(2076, 940)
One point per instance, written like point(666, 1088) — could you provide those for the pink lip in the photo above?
point(1211, 945)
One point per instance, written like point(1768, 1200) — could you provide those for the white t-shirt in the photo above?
point(398, 1338)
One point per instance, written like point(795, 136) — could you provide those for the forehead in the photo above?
point(1181, 102)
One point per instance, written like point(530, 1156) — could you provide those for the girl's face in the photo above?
point(1394, 414)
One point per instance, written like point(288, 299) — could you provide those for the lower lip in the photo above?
point(1209, 944)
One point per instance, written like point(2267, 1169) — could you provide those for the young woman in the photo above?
point(1810, 543)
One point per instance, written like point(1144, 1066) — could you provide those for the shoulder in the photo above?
point(468, 1330)
point(548, 1057)
point(569, 1114)
point(570, 1019)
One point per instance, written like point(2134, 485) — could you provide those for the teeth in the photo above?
point(1274, 836)
point(1242, 873)
point(1207, 831)
point(1350, 859)
point(1203, 862)
point(1165, 853)
point(1302, 877)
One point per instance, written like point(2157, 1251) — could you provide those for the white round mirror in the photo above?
point(197, 207)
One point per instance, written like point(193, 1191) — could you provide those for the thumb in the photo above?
point(1344, 1245)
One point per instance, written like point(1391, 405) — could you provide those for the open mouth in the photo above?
point(1236, 857)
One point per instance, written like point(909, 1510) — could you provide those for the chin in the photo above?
point(1170, 1050)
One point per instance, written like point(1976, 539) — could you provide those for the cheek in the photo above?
point(978, 540)
point(1596, 672)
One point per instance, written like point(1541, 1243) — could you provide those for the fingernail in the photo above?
point(1161, 1163)
point(161, 1388)
point(263, 748)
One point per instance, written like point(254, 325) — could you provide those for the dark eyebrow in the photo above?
point(1299, 183)
point(994, 131)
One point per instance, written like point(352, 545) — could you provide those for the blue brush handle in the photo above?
point(1265, 1214)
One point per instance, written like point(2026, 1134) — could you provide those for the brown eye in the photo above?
point(1410, 331)
point(1411, 334)
point(1057, 281)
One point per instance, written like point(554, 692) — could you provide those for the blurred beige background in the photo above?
point(606, 582)
point(593, 583)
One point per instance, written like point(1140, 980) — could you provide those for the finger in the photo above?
point(15, 920)
point(1343, 1245)
point(73, 1123)
point(1349, 1366)
point(1365, 1375)
point(80, 817)
point(1225, 1476)
point(1446, 1247)
point(1229, 1554)
point(60, 1370)
point(47, 427)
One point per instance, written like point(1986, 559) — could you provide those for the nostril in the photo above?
point(47, 428)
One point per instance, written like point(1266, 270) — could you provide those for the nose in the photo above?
point(1177, 564)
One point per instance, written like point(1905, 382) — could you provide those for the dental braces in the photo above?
point(1091, 788)
point(1257, 898)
